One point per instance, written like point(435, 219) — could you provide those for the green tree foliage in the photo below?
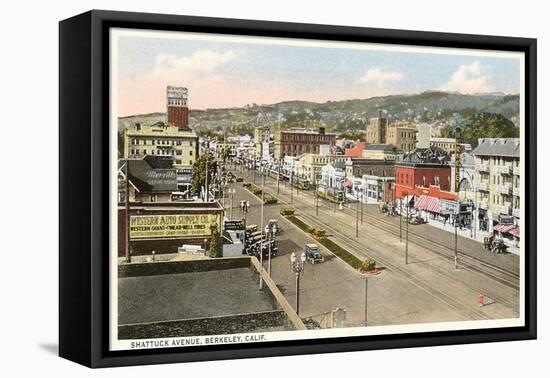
point(487, 125)
point(216, 244)
point(353, 135)
point(199, 172)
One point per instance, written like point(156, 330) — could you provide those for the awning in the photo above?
point(428, 203)
point(348, 183)
point(503, 228)
point(515, 232)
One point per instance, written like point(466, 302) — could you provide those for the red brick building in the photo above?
point(177, 112)
point(424, 172)
point(357, 150)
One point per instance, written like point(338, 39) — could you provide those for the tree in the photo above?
point(216, 244)
point(199, 172)
point(487, 125)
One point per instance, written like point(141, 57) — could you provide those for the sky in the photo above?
point(231, 73)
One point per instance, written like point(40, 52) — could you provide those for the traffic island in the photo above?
point(268, 199)
point(320, 235)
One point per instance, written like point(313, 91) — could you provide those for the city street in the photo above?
point(427, 289)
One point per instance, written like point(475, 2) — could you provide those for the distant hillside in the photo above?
point(439, 108)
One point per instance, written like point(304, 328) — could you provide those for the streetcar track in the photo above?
point(514, 283)
point(458, 306)
point(444, 297)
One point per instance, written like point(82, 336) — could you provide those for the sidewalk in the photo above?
point(475, 235)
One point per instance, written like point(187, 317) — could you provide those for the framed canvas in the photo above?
point(235, 188)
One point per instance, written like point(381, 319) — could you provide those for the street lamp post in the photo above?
point(244, 209)
point(205, 241)
point(297, 268)
point(270, 231)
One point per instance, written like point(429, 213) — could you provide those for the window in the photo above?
point(190, 162)
point(436, 180)
point(191, 153)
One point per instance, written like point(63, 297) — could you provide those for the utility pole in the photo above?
point(206, 181)
point(291, 185)
point(407, 237)
point(400, 216)
point(357, 219)
point(316, 197)
point(278, 175)
point(457, 190)
point(127, 209)
point(366, 297)
point(262, 236)
point(361, 207)
point(254, 168)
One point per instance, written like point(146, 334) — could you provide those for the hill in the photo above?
point(441, 109)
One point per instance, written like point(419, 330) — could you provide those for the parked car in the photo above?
point(313, 255)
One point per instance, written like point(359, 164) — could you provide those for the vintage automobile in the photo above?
point(494, 245)
point(313, 255)
point(387, 208)
point(414, 220)
point(488, 242)
point(498, 246)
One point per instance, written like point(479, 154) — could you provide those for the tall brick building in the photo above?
point(376, 130)
point(295, 142)
point(424, 172)
point(177, 112)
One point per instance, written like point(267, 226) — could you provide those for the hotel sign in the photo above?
point(178, 93)
point(172, 226)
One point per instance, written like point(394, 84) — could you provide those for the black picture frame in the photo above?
point(84, 194)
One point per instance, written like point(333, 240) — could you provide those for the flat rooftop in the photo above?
point(191, 295)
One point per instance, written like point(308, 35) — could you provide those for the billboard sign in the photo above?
point(170, 226)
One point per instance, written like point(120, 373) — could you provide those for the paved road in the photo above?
point(427, 289)
point(393, 296)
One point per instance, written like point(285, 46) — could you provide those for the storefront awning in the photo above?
point(515, 232)
point(428, 203)
point(348, 183)
point(503, 228)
